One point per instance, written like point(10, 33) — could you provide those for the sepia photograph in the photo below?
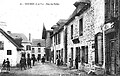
point(59, 38)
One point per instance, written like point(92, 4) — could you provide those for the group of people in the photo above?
point(59, 61)
point(6, 64)
point(26, 62)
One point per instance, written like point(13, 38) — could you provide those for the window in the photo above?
point(9, 52)
point(39, 50)
point(78, 53)
point(28, 47)
point(86, 54)
point(81, 27)
point(98, 49)
point(58, 38)
point(83, 54)
point(1, 45)
point(33, 50)
point(111, 8)
point(71, 31)
point(39, 44)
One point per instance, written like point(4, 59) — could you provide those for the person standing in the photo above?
point(8, 64)
point(29, 62)
point(34, 59)
point(25, 62)
point(4, 63)
point(43, 59)
point(22, 63)
point(76, 62)
point(38, 58)
point(58, 62)
point(71, 63)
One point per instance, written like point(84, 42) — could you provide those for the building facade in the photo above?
point(58, 41)
point(112, 36)
point(25, 42)
point(10, 48)
point(83, 26)
point(38, 48)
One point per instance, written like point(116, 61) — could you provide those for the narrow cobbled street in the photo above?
point(47, 69)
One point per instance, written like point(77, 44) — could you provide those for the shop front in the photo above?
point(112, 57)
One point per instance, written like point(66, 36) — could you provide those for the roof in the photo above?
point(38, 42)
point(60, 25)
point(14, 42)
point(19, 35)
point(84, 5)
point(81, 1)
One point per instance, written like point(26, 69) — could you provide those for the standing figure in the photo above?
point(25, 62)
point(71, 61)
point(61, 61)
point(76, 62)
point(34, 59)
point(22, 63)
point(43, 59)
point(4, 63)
point(58, 62)
point(29, 62)
point(38, 58)
point(8, 64)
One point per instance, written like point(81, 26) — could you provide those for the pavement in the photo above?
point(47, 69)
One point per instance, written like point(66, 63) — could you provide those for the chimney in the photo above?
point(29, 36)
point(9, 32)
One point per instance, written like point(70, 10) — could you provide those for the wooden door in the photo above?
point(113, 57)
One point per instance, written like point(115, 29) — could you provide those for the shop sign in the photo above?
point(108, 25)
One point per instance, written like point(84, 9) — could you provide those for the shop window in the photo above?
point(9, 52)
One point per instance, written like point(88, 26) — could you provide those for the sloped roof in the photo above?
point(35, 42)
point(19, 35)
point(81, 1)
point(14, 42)
point(60, 25)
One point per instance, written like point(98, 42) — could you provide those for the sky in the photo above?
point(28, 16)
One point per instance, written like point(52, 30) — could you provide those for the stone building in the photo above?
point(83, 27)
point(112, 36)
point(58, 42)
point(48, 41)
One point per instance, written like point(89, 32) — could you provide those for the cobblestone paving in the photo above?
point(47, 69)
point(38, 70)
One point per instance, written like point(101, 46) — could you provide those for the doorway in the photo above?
point(72, 57)
point(113, 57)
point(112, 54)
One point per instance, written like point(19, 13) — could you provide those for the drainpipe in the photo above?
point(103, 30)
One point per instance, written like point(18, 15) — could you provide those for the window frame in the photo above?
point(9, 52)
